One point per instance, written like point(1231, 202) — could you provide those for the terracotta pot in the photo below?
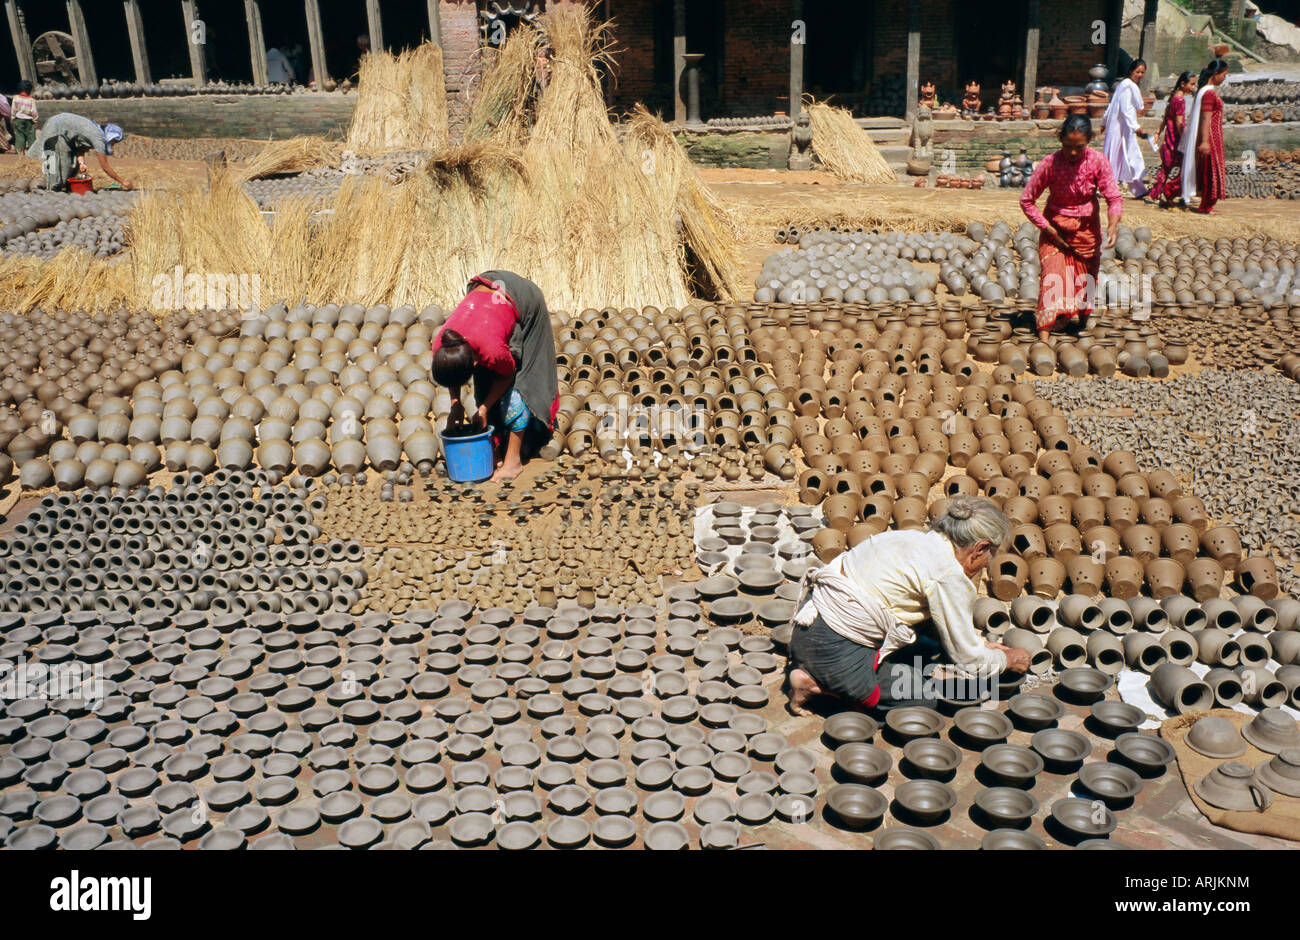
point(1064, 541)
point(1040, 660)
point(1007, 576)
point(1215, 647)
point(1223, 545)
point(1205, 578)
point(1180, 646)
point(1046, 575)
point(1142, 542)
point(1164, 576)
point(1124, 576)
point(1067, 648)
point(1079, 612)
point(1178, 689)
point(1084, 576)
point(1191, 511)
point(828, 544)
point(1257, 575)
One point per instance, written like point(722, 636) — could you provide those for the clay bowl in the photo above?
point(849, 727)
point(1216, 737)
point(1113, 784)
point(855, 806)
point(914, 721)
point(614, 831)
point(1004, 839)
point(1116, 718)
point(904, 837)
point(1145, 753)
point(1272, 731)
point(755, 808)
point(1062, 751)
point(862, 763)
point(1011, 764)
point(1082, 684)
point(925, 801)
point(1034, 712)
point(980, 728)
point(1080, 819)
point(720, 835)
point(931, 758)
point(1282, 773)
point(518, 836)
point(693, 781)
point(568, 832)
point(1006, 806)
point(667, 836)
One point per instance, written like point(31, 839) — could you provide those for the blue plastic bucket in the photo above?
point(469, 457)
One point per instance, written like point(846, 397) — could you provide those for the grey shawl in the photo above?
point(532, 343)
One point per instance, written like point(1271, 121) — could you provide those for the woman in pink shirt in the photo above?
point(1070, 245)
point(500, 335)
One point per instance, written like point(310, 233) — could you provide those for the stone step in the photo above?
point(896, 154)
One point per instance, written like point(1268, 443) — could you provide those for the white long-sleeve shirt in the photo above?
point(915, 574)
point(1121, 144)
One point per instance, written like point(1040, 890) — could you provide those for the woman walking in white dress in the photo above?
point(1123, 131)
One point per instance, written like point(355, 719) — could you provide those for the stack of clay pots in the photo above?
point(567, 534)
point(69, 373)
point(317, 190)
point(235, 545)
point(668, 381)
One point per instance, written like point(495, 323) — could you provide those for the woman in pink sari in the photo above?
point(1070, 244)
point(1168, 185)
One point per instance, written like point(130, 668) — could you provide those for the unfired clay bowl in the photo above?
point(926, 801)
point(904, 837)
point(863, 763)
point(1006, 806)
point(856, 806)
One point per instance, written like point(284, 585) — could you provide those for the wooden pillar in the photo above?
point(316, 39)
point(679, 60)
point(1033, 29)
point(435, 23)
point(1114, 26)
point(914, 56)
point(256, 41)
point(22, 42)
point(81, 42)
point(376, 25)
point(135, 32)
point(198, 53)
point(1148, 45)
point(796, 61)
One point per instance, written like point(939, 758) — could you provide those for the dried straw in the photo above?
point(504, 98)
point(401, 102)
point(291, 155)
point(844, 148)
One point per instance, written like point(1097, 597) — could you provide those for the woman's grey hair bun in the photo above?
point(970, 519)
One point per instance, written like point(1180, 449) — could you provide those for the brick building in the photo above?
point(757, 55)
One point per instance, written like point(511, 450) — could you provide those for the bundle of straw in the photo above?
point(401, 102)
point(505, 96)
point(291, 155)
point(844, 148)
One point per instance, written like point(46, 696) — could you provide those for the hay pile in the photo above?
point(291, 155)
point(844, 148)
point(401, 102)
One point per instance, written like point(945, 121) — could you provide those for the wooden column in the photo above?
point(256, 41)
point(81, 42)
point(914, 56)
point(796, 62)
point(1033, 29)
point(1114, 26)
point(22, 42)
point(198, 54)
point(1148, 44)
point(135, 32)
point(435, 23)
point(679, 60)
point(316, 39)
point(376, 25)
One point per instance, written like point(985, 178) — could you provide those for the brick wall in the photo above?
point(258, 117)
point(1066, 50)
point(757, 41)
point(633, 77)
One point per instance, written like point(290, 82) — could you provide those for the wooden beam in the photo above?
point(316, 38)
point(914, 56)
point(22, 42)
point(796, 61)
point(1114, 26)
point(1148, 45)
point(135, 32)
point(435, 23)
point(1033, 31)
point(256, 42)
point(679, 60)
point(376, 25)
point(198, 50)
point(81, 42)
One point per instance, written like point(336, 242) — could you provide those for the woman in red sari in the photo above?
point(1070, 243)
point(1168, 184)
point(1205, 166)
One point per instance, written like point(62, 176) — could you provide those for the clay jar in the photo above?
point(1178, 689)
point(1180, 542)
point(1046, 575)
point(1223, 545)
point(1205, 578)
point(1257, 575)
point(1142, 542)
point(1084, 575)
point(1164, 576)
point(1124, 576)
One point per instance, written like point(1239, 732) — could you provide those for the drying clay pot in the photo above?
point(1060, 749)
point(931, 757)
point(914, 722)
point(1233, 786)
point(1272, 730)
point(856, 806)
point(1012, 764)
point(903, 837)
point(1082, 819)
point(1216, 737)
point(1282, 773)
point(982, 728)
point(1034, 712)
point(1180, 690)
point(1146, 753)
point(1117, 717)
point(926, 801)
point(1083, 684)
point(848, 727)
point(1006, 806)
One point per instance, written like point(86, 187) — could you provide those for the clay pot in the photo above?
point(1259, 687)
point(1144, 652)
point(1216, 647)
point(1226, 685)
point(1084, 576)
point(1164, 576)
point(1205, 578)
point(1105, 653)
point(1032, 613)
point(1257, 575)
point(1046, 575)
point(1124, 576)
point(1040, 659)
point(1233, 786)
point(1178, 689)
point(1180, 646)
point(1067, 648)
point(1007, 576)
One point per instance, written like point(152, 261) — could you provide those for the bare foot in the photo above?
point(802, 688)
point(508, 471)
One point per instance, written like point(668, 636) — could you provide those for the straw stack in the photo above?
point(291, 155)
point(401, 102)
point(844, 148)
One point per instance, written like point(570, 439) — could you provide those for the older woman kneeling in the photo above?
point(853, 631)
